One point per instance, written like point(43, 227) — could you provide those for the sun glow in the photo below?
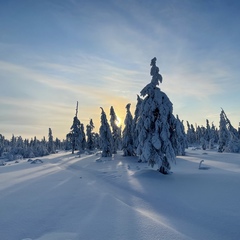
point(118, 121)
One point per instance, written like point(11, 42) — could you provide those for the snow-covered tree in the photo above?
point(239, 130)
point(96, 140)
point(191, 135)
point(228, 135)
point(207, 136)
point(50, 145)
point(154, 124)
point(58, 144)
point(76, 134)
point(178, 137)
point(213, 136)
point(105, 136)
point(116, 132)
point(90, 140)
point(224, 134)
point(2, 144)
point(135, 121)
point(82, 139)
point(127, 140)
point(68, 141)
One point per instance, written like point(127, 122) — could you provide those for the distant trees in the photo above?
point(206, 137)
point(18, 148)
point(227, 138)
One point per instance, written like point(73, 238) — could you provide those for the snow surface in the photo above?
point(72, 198)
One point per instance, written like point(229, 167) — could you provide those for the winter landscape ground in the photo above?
point(70, 198)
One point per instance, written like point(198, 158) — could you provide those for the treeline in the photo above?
point(111, 138)
point(153, 133)
point(226, 138)
point(18, 148)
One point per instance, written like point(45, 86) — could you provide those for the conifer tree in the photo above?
point(127, 141)
point(228, 135)
point(135, 121)
point(191, 134)
point(58, 143)
point(90, 140)
point(68, 141)
point(75, 133)
point(154, 124)
point(178, 137)
point(50, 145)
point(96, 140)
point(116, 134)
point(82, 139)
point(105, 136)
point(2, 144)
point(224, 135)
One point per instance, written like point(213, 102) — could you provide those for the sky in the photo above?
point(54, 53)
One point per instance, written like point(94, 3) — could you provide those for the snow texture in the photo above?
point(79, 198)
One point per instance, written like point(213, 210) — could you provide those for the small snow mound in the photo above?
point(104, 159)
point(35, 161)
point(2, 163)
point(99, 160)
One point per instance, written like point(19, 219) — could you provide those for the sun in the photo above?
point(118, 121)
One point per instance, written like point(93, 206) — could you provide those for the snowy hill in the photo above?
point(67, 197)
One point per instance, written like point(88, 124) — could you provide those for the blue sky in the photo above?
point(54, 53)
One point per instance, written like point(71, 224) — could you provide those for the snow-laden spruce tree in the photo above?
point(105, 136)
point(228, 135)
point(178, 137)
point(116, 132)
point(50, 144)
point(135, 120)
point(154, 124)
point(90, 142)
point(127, 140)
point(191, 135)
point(83, 141)
point(76, 134)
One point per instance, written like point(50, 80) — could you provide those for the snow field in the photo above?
point(67, 197)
